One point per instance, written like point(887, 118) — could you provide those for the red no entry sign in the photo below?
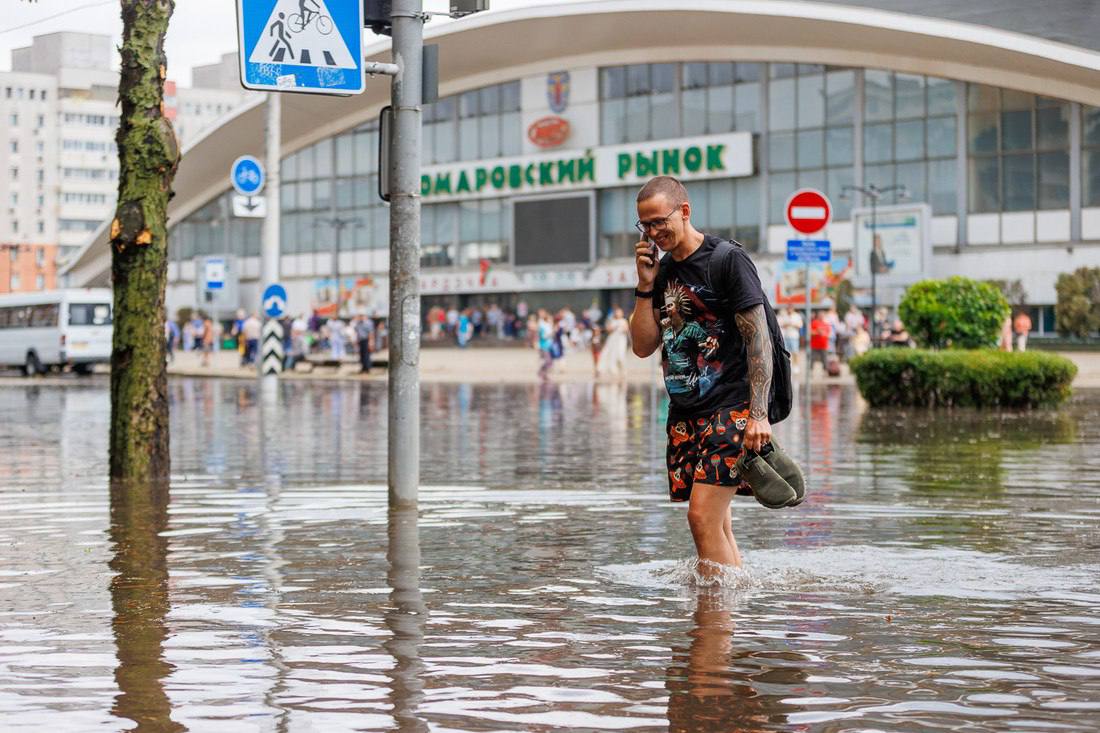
point(808, 210)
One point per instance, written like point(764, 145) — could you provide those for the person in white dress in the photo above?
point(612, 361)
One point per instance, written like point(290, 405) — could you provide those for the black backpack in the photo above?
point(781, 395)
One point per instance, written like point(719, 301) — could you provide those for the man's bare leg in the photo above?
point(727, 529)
point(708, 512)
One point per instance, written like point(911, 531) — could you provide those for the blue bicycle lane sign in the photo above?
point(301, 45)
point(247, 175)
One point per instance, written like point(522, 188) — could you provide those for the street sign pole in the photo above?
point(809, 364)
point(404, 326)
point(808, 211)
point(270, 361)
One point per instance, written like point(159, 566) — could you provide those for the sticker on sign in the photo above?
point(808, 210)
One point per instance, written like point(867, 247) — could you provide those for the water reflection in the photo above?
point(139, 599)
point(406, 618)
point(725, 681)
point(942, 570)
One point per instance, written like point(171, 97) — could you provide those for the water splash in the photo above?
point(863, 570)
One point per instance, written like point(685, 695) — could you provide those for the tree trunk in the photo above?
point(140, 601)
point(148, 155)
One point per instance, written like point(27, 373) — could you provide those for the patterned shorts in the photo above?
point(705, 449)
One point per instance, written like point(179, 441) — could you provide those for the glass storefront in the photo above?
point(811, 125)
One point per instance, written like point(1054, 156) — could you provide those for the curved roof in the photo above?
point(1067, 21)
point(503, 45)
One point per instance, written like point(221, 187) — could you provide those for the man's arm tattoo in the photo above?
point(753, 325)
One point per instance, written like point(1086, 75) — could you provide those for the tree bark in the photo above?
point(148, 155)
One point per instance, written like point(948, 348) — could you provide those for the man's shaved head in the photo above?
point(667, 186)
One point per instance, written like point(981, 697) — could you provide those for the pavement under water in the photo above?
point(943, 572)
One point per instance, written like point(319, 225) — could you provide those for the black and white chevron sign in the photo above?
point(271, 350)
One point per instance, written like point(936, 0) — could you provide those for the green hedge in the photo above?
point(958, 378)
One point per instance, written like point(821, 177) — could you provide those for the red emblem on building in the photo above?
point(548, 132)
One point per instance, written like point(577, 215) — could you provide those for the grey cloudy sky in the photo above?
point(199, 33)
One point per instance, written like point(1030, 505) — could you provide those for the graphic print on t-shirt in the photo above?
point(691, 335)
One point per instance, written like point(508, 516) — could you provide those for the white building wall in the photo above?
point(225, 74)
point(1036, 266)
point(582, 110)
point(28, 148)
point(198, 109)
point(87, 167)
point(52, 52)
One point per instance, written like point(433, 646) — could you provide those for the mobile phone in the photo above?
point(652, 251)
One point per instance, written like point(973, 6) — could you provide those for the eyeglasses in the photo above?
point(658, 225)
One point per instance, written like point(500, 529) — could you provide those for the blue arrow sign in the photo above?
point(247, 175)
point(274, 300)
point(294, 46)
point(809, 250)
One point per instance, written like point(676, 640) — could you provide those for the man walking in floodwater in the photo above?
point(702, 304)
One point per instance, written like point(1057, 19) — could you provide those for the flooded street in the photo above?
point(944, 572)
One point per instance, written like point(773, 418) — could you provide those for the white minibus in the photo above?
point(55, 328)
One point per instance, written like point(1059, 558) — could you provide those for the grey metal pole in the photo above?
point(404, 327)
point(809, 353)
point(269, 260)
point(339, 226)
point(270, 253)
point(874, 269)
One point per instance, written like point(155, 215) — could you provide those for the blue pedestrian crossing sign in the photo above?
point(301, 45)
point(247, 175)
point(274, 300)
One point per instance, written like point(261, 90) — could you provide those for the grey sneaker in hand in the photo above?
point(785, 466)
point(769, 488)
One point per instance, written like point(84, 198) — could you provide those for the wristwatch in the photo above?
point(643, 293)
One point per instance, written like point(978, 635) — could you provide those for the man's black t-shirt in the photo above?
point(702, 351)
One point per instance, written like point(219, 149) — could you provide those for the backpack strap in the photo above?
point(717, 267)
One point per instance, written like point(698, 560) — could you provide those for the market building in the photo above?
point(551, 117)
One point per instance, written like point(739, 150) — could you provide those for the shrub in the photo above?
point(955, 313)
point(1077, 312)
point(962, 378)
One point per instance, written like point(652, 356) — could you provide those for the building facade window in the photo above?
point(1018, 151)
point(719, 97)
point(909, 136)
point(810, 133)
point(476, 125)
point(79, 225)
point(639, 102)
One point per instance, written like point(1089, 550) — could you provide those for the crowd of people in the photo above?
point(835, 339)
point(316, 336)
point(552, 333)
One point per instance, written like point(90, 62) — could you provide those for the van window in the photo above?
point(44, 316)
point(20, 317)
point(89, 314)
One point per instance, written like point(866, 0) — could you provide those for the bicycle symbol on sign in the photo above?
point(248, 175)
point(299, 21)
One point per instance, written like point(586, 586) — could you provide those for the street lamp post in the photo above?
point(338, 223)
point(874, 193)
